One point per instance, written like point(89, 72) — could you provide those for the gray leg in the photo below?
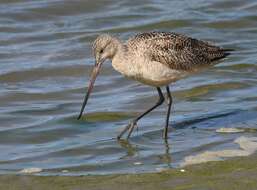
point(132, 125)
point(169, 98)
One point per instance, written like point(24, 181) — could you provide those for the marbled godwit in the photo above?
point(156, 59)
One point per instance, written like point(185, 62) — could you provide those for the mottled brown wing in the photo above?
point(178, 51)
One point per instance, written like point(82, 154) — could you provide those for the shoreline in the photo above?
point(235, 173)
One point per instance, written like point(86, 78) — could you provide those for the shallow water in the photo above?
point(45, 59)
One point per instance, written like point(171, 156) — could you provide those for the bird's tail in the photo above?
point(228, 49)
point(227, 52)
point(222, 53)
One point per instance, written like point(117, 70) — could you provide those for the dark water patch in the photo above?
point(233, 4)
point(207, 89)
point(150, 26)
point(66, 8)
point(209, 119)
point(233, 24)
point(41, 73)
point(30, 97)
point(103, 116)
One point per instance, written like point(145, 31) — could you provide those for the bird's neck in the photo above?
point(119, 59)
point(125, 62)
point(119, 46)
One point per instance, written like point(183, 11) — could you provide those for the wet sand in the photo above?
point(238, 173)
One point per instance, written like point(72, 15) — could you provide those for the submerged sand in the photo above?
point(247, 146)
point(237, 173)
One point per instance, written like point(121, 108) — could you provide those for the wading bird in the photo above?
point(156, 59)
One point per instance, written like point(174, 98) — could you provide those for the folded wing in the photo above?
point(177, 51)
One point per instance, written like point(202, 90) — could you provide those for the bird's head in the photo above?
point(104, 47)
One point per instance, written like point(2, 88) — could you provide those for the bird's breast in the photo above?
point(148, 72)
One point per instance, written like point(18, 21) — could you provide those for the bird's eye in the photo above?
point(101, 51)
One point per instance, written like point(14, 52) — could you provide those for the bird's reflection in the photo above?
point(132, 151)
point(166, 157)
